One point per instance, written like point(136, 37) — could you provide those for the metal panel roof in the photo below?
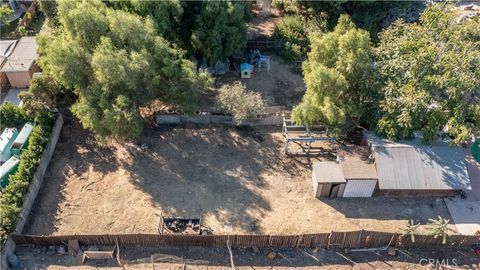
point(23, 56)
point(411, 165)
point(328, 172)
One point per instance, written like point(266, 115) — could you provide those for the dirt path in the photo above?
point(236, 181)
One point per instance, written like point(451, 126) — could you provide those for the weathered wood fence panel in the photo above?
point(353, 239)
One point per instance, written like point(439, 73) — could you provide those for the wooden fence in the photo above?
point(353, 239)
point(275, 44)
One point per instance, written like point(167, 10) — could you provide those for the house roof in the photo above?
point(328, 172)
point(6, 48)
point(22, 57)
point(411, 165)
point(355, 163)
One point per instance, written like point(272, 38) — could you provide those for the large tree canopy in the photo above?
point(115, 62)
point(339, 78)
point(220, 29)
point(431, 75)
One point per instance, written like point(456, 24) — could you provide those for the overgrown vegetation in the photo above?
point(116, 62)
point(411, 81)
point(340, 79)
point(429, 73)
point(42, 96)
point(11, 201)
point(240, 102)
point(5, 12)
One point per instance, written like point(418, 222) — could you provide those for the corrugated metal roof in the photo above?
point(328, 172)
point(23, 56)
point(411, 165)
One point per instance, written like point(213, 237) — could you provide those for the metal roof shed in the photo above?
point(412, 168)
point(22, 139)
point(7, 169)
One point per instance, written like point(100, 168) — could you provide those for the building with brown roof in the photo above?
point(353, 175)
point(21, 64)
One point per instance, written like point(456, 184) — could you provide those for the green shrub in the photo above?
point(292, 52)
point(11, 202)
point(295, 31)
point(12, 116)
point(292, 29)
point(240, 102)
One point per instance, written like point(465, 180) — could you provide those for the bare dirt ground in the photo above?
point(290, 258)
point(279, 86)
point(237, 181)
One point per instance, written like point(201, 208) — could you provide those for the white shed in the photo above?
point(354, 175)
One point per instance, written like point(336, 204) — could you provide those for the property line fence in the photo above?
point(352, 239)
point(275, 44)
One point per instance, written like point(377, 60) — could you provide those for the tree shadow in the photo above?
point(76, 153)
point(214, 174)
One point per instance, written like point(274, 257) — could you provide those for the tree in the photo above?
point(49, 8)
point(5, 12)
point(165, 14)
point(241, 103)
point(339, 78)
point(220, 29)
point(439, 228)
point(42, 96)
point(430, 74)
point(116, 62)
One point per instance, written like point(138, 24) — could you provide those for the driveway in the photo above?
point(466, 213)
point(12, 96)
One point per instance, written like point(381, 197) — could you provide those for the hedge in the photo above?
point(11, 201)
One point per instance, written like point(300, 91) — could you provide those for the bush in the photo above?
point(292, 52)
point(241, 103)
point(12, 116)
point(11, 202)
point(294, 30)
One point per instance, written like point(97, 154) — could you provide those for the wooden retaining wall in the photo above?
point(353, 239)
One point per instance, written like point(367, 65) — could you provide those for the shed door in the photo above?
point(359, 188)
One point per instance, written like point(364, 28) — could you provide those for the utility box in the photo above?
point(8, 168)
point(21, 141)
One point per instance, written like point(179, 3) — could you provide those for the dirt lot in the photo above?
point(236, 181)
point(290, 258)
point(280, 86)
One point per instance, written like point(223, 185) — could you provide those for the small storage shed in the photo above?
point(7, 169)
point(246, 70)
point(21, 64)
point(352, 176)
point(6, 141)
point(21, 141)
point(327, 179)
point(6, 48)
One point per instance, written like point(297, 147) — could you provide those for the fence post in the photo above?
point(329, 236)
